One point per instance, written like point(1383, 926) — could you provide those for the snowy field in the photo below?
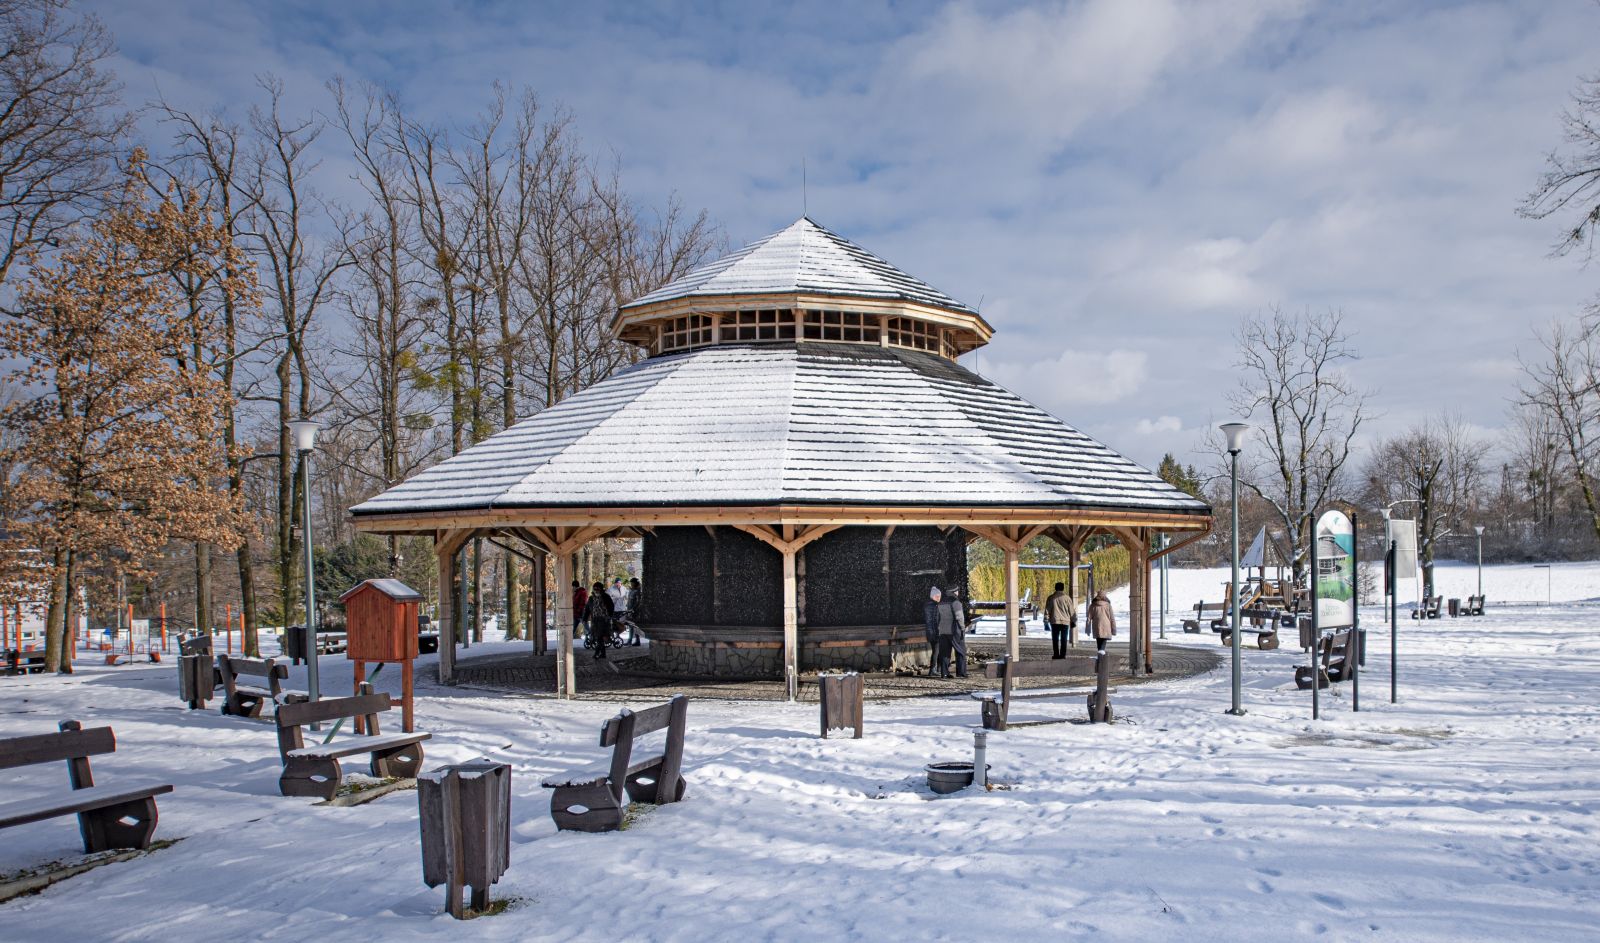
point(1467, 811)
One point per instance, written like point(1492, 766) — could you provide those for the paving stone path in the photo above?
point(630, 670)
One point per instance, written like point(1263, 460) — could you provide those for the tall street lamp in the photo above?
point(1479, 529)
point(1235, 433)
point(305, 441)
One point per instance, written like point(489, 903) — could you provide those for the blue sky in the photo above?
point(1117, 182)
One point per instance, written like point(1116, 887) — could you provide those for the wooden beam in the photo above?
point(791, 626)
point(566, 664)
point(426, 522)
point(1181, 544)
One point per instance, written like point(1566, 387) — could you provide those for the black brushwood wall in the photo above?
point(852, 576)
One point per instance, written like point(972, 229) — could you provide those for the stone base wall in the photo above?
point(757, 651)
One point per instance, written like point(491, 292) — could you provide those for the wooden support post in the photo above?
point(791, 625)
point(1013, 613)
point(445, 548)
point(566, 667)
point(1073, 549)
point(407, 714)
point(1138, 599)
point(359, 671)
point(537, 602)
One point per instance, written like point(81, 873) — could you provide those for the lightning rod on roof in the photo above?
point(805, 210)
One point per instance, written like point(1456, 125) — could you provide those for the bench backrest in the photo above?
point(619, 733)
point(331, 708)
point(71, 743)
point(646, 721)
point(260, 667)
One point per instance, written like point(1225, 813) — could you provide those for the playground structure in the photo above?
point(1266, 601)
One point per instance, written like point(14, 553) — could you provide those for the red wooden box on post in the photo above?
point(381, 626)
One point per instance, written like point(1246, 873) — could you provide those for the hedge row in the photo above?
point(988, 580)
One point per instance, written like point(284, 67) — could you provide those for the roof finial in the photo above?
point(805, 210)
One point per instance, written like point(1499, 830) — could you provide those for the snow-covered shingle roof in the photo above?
point(802, 258)
point(810, 423)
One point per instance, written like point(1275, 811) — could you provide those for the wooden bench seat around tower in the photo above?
point(109, 817)
point(590, 800)
point(315, 770)
point(246, 700)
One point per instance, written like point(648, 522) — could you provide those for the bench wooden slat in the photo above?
point(73, 801)
point(298, 715)
point(358, 744)
point(595, 775)
point(49, 747)
point(260, 667)
point(1031, 669)
point(646, 721)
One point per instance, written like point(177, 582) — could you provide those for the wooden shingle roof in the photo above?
point(794, 424)
point(802, 258)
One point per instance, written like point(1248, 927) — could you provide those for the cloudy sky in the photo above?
point(1116, 182)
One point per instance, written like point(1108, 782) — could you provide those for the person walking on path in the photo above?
point(945, 631)
point(1102, 622)
point(1061, 613)
point(635, 609)
point(959, 636)
point(930, 627)
point(600, 611)
point(580, 606)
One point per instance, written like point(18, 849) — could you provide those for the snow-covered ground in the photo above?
point(1467, 811)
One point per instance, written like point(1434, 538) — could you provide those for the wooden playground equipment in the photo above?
point(1266, 602)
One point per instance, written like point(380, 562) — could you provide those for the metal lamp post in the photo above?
point(1235, 434)
point(1479, 529)
point(305, 441)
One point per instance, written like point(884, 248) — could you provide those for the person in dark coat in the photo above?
point(600, 610)
point(1061, 614)
point(635, 609)
point(945, 637)
point(959, 636)
point(930, 626)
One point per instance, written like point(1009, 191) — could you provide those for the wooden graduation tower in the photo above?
point(802, 457)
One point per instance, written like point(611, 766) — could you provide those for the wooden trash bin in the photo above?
point(197, 675)
point(841, 702)
point(466, 830)
point(1455, 608)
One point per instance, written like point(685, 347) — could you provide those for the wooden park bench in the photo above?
point(246, 700)
point(1334, 657)
point(1262, 622)
point(18, 662)
point(995, 712)
point(1474, 606)
point(1203, 613)
point(121, 816)
point(590, 800)
point(315, 771)
point(1428, 608)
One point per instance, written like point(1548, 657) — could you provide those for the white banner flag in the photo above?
point(1404, 535)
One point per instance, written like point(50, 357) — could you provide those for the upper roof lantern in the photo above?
point(801, 283)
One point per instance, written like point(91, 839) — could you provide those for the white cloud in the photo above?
point(1162, 425)
point(1075, 377)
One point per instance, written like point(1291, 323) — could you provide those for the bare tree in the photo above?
point(1571, 181)
point(298, 274)
point(1438, 466)
point(1308, 413)
point(1563, 386)
point(59, 131)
